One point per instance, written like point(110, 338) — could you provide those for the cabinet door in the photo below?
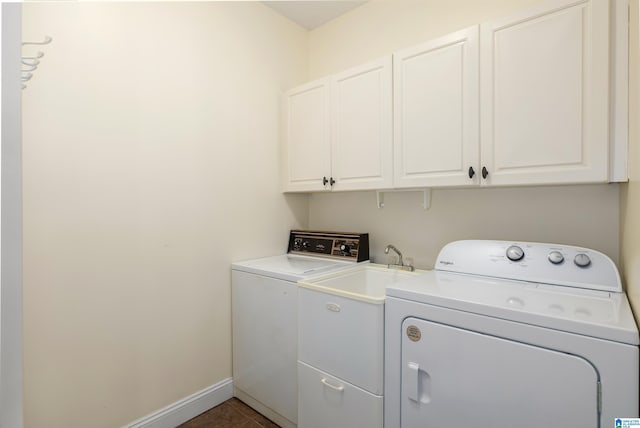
point(343, 337)
point(544, 95)
point(308, 139)
point(362, 150)
point(436, 112)
point(326, 401)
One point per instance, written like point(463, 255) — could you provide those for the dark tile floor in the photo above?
point(232, 413)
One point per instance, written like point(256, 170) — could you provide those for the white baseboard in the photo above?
point(187, 408)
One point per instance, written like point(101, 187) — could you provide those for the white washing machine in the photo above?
point(506, 334)
point(264, 295)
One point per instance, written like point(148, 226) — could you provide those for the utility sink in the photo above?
point(365, 282)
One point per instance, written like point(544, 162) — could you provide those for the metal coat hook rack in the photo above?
point(30, 63)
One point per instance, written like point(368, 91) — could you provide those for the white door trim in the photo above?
point(11, 387)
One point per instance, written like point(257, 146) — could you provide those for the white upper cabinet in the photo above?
point(436, 112)
point(523, 100)
point(339, 131)
point(544, 95)
point(362, 136)
point(308, 140)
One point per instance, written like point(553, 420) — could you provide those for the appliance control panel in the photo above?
point(337, 245)
point(533, 262)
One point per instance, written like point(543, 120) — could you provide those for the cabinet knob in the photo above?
point(324, 181)
point(332, 181)
point(471, 172)
point(485, 172)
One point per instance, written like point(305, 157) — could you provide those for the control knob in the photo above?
point(556, 257)
point(345, 248)
point(515, 253)
point(582, 260)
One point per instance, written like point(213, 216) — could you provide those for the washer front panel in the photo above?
point(265, 337)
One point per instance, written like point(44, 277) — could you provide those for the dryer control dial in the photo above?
point(515, 253)
point(582, 260)
point(556, 257)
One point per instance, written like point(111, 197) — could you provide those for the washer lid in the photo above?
point(290, 267)
point(593, 313)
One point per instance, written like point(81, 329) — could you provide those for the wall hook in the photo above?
point(30, 63)
point(46, 41)
point(29, 67)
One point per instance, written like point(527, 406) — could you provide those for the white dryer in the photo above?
point(506, 334)
point(264, 306)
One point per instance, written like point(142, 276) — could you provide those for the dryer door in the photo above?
point(457, 377)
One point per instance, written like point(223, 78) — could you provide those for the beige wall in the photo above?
point(630, 195)
point(539, 214)
point(150, 163)
point(380, 27)
point(578, 215)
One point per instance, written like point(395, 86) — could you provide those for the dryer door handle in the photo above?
point(412, 378)
point(417, 383)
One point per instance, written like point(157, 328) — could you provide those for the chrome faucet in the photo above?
point(400, 264)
